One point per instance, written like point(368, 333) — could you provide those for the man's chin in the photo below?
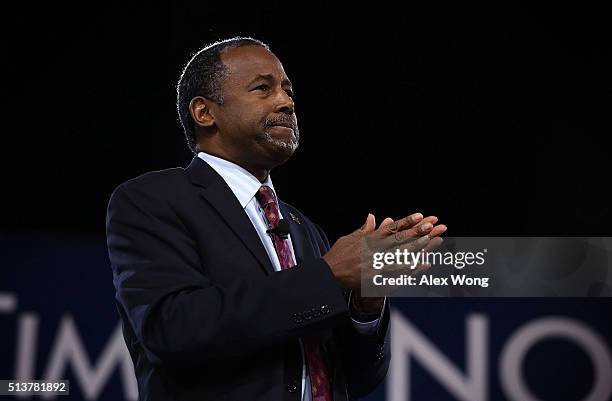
point(280, 149)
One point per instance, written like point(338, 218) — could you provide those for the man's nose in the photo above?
point(285, 103)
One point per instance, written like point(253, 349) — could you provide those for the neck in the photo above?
point(260, 173)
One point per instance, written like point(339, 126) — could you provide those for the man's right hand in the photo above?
point(352, 253)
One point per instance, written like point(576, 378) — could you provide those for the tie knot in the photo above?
point(265, 196)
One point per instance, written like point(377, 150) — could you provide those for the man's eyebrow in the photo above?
point(270, 77)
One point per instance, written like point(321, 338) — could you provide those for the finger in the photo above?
point(385, 222)
point(431, 219)
point(402, 224)
point(370, 224)
point(438, 230)
point(433, 244)
point(367, 227)
point(412, 244)
point(423, 227)
point(404, 244)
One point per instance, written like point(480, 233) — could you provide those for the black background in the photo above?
point(493, 117)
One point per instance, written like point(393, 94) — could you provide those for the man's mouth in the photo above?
point(282, 129)
point(290, 126)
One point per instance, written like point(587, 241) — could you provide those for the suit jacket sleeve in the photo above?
point(178, 315)
point(365, 358)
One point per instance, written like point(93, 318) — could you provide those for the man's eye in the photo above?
point(262, 87)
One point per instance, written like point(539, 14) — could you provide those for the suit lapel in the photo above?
point(297, 232)
point(218, 194)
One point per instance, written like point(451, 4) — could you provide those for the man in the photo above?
point(218, 298)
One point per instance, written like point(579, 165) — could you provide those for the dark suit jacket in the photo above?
point(204, 314)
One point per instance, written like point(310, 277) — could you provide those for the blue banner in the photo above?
point(58, 322)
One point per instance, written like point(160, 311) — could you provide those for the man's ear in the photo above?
point(199, 107)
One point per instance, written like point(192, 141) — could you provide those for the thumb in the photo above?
point(370, 224)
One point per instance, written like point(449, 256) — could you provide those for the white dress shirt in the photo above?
point(244, 185)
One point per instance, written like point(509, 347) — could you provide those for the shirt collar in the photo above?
point(243, 184)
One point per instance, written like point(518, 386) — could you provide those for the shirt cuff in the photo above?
point(367, 328)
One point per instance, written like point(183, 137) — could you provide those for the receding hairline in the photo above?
point(263, 74)
point(223, 53)
point(227, 44)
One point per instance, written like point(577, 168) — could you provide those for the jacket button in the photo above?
point(315, 312)
point(307, 315)
point(325, 309)
point(292, 386)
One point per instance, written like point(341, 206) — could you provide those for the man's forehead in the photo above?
point(247, 62)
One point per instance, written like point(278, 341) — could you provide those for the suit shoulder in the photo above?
point(155, 183)
point(158, 178)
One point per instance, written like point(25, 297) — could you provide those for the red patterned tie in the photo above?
point(317, 368)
